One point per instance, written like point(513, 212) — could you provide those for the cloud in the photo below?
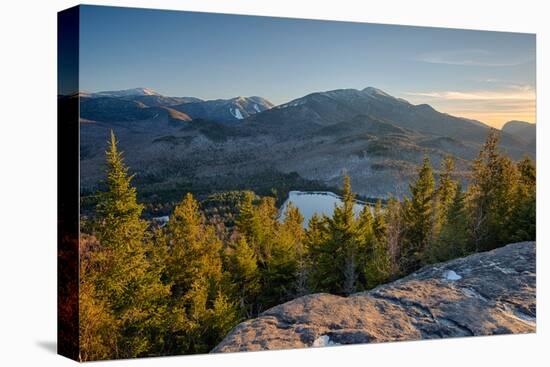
point(520, 93)
point(494, 107)
point(470, 57)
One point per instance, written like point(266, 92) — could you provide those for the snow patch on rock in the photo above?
point(451, 275)
point(323, 341)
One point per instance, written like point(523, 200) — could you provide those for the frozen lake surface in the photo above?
point(320, 202)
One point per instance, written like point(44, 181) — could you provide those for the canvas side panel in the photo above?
point(68, 183)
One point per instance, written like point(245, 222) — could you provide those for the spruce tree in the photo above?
point(248, 223)
point(491, 196)
point(445, 191)
point(378, 267)
point(314, 241)
point(443, 199)
point(365, 244)
point(257, 221)
point(523, 218)
point(365, 224)
point(282, 267)
point(295, 233)
point(418, 218)
point(454, 238)
point(336, 268)
point(243, 268)
point(393, 215)
point(268, 215)
point(200, 307)
point(127, 281)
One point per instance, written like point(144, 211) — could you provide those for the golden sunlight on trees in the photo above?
point(179, 289)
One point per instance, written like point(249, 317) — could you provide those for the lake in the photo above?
point(321, 202)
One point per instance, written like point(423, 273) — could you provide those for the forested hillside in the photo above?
point(182, 145)
point(147, 290)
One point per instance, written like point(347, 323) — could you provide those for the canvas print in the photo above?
point(241, 183)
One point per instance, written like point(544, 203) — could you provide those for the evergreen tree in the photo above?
point(336, 270)
point(445, 192)
point(258, 223)
point(393, 216)
point(282, 267)
point(378, 267)
point(127, 281)
point(245, 274)
point(523, 219)
point(200, 307)
point(418, 218)
point(527, 171)
point(491, 196)
point(295, 234)
point(365, 242)
point(268, 216)
point(314, 241)
point(454, 236)
point(248, 223)
point(443, 199)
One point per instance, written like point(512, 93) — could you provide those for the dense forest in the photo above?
point(147, 290)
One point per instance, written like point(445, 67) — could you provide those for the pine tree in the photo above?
point(258, 223)
point(445, 191)
point(418, 217)
point(393, 216)
point(527, 171)
point(245, 275)
point(195, 271)
point(491, 196)
point(268, 216)
point(454, 236)
point(365, 241)
point(294, 229)
point(248, 223)
point(336, 268)
point(365, 224)
point(523, 218)
point(378, 267)
point(282, 267)
point(314, 242)
point(127, 281)
point(443, 199)
point(345, 223)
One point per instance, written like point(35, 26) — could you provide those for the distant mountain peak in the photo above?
point(147, 91)
point(522, 130)
point(376, 91)
point(128, 92)
point(519, 122)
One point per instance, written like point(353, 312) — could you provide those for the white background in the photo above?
point(28, 181)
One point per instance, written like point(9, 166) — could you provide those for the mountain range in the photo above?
point(142, 103)
point(185, 143)
point(522, 130)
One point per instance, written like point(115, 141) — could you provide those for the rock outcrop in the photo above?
point(483, 294)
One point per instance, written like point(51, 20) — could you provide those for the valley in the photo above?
point(180, 144)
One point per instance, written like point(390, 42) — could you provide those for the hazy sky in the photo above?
point(489, 76)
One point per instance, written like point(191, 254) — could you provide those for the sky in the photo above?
point(487, 76)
